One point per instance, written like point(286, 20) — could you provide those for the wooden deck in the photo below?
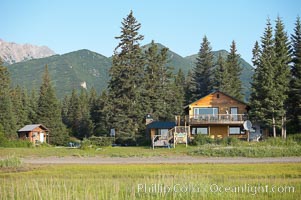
point(217, 119)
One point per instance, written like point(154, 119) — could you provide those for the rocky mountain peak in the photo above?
point(11, 52)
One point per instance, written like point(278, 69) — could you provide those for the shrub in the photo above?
point(101, 141)
point(232, 141)
point(86, 144)
point(15, 143)
point(295, 137)
point(96, 142)
point(279, 142)
point(201, 140)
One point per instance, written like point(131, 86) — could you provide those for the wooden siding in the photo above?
point(29, 135)
point(220, 101)
point(218, 124)
point(218, 131)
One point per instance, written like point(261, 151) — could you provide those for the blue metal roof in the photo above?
point(162, 125)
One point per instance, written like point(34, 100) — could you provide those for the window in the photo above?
point(205, 111)
point(234, 112)
point(234, 130)
point(163, 132)
point(200, 130)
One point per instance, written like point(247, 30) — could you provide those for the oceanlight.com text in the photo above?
point(251, 189)
point(214, 188)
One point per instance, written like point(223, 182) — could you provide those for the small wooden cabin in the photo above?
point(35, 133)
point(217, 115)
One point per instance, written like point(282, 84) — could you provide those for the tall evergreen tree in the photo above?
point(157, 83)
point(21, 107)
point(295, 84)
point(220, 74)
point(178, 100)
point(126, 80)
point(32, 107)
point(233, 84)
point(99, 115)
point(7, 118)
point(263, 86)
point(271, 79)
point(202, 74)
point(49, 111)
point(282, 73)
point(188, 88)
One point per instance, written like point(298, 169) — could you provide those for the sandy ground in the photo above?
point(156, 160)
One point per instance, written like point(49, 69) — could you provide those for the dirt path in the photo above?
point(156, 160)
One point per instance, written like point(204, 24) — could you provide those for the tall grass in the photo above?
point(122, 182)
point(10, 162)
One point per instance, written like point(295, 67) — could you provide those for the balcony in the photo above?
point(217, 119)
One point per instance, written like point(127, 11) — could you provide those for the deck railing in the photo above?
point(217, 119)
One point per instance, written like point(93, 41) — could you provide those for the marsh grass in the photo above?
point(227, 147)
point(11, 162)
point(121, 182)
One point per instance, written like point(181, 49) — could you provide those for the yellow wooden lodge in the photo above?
point(216, 115)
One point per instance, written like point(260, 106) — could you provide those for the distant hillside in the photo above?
point(85, 68)
point(77, 69)
point(246, 74)
point(11, 52)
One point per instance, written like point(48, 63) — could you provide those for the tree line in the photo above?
point(142, 82)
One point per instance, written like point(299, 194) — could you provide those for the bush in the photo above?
point(278, 141)
point(230, 141)
point(101, 141)
point(15, 143)
point(295, 137)
point(96, 142)
point(86, 144)
point(201, 140)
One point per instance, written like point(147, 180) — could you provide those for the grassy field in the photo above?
point(250, 150)
point(160, 181)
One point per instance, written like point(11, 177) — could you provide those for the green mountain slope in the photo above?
point(67, 71)
point(70, 70)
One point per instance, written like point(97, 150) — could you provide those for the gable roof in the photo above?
point(160, 124)
point(31, 127)
point(215, 93)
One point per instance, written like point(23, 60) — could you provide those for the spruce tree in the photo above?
point(157, 83)
point(202, 73)
point(233, 84)
point(7, 117)
point(188, 88)
point(295, 84)
point(99, 116)
point(21, 107)
point(271, 79)
point(49, 112)
point(126, 75)
point(178, 100)
point(220, 74)
point(263, 86)
point(282, 73)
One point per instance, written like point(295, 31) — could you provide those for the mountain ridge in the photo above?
point(86, 69)
point(11, 52)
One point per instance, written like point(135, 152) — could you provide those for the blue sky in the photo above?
point(70, 25)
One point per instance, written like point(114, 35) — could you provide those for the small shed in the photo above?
point(35, 133)
point(159, 128)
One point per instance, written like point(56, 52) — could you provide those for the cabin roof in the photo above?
point(31, 127)
point(215, 93)
point(162, 125)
